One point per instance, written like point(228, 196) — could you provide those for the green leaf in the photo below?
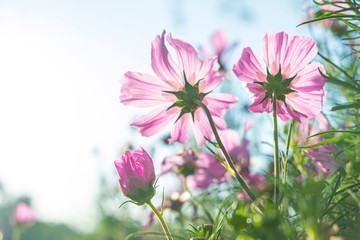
point(328, 141)
point(137, 234)
point(222, 205)
point(216, 156)
point(346, 106)
point(340, 83)
point(129, 201)
point(332, 131)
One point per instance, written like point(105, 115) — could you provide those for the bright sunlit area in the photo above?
point(62, 124)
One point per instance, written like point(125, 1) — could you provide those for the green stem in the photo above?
point(276, 154)
point(287, 150)
point(207, 213)
point(161, 219)
point(16, 233)
point(226, 154)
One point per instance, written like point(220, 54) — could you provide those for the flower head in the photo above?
point(324, 156)
point(199, 170)
point(178, 89)
point(255, 181)
point(310, 127)
point(330, 8)
point(324, 159)
point(239, 153)
point(236, 147)
point(137, 175)
point(296, 83)
point(221, 46)
point(23, 214)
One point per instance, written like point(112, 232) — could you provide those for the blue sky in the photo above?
point(60, 66)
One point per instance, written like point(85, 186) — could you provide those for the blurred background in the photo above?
point(61, 121)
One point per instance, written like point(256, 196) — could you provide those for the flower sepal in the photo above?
point(142, 197)
point(188, 99)
point(275, 84)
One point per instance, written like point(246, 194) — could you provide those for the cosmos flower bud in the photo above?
point(24, 215)
point(137, 175)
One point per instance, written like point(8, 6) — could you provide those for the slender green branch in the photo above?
point(161, 219)
point(16, 233)
point(226, 154)
point(207, 213)
point(276, 153)
point(287, 150)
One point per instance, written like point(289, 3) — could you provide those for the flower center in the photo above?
point(187, 169)
point(276, 86)
point(188, 99)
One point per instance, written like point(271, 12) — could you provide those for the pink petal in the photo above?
point(218, 102)
point(231, 140)
point(180, 131)
point(146, 161)
point(212, 166)
point(220, 122)
point(247, 126)
point(300, 52)
point(23, 214)
point(199, 180)
point(274, 49)
point(201, 127)
point(209, 74)
point(163, 64)
point(143, 90)
point(156, 120)
point(219, 41)
point(244, 155)
point(309, 78)
point(309, 104)
point(187, 56)
point(258, 94)
point(248, 68)
point(323, 123)
point(283, 112)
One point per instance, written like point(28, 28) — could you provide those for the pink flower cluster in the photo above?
point(181, 90)
point(201, 170)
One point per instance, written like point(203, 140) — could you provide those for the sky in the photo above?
point(61, 121)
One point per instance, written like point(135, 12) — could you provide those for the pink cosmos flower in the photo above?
point(177, 90)
point(297, 83)
point(239, 153)
point(221, 46)
point(323, 156)
point(137, 175)
point(334, 24)
point(23, 214)
point(200, 170)
point(236, 147)
point(324, 159)
point(310, 127)
point(255, 181)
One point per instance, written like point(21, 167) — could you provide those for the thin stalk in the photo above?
point(161, 219)
point(16, 233)
point(226, 154)
point(207, 213)
point(276, 154)
point(287, 150)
